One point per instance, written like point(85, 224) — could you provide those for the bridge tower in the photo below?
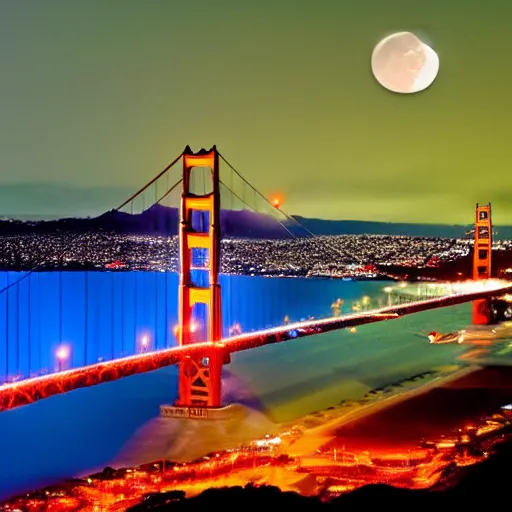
point(482, 254)
point(200, 375)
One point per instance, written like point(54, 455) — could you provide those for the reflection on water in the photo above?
point(81, 431)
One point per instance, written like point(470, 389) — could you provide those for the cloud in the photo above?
point(47, 200)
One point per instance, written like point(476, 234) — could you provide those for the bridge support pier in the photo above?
point(482, 262)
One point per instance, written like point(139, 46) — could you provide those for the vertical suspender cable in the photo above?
point(112, 315)
point(60, 305)
point(86, 318)
point(7, 332)
point(122, 304)
point(29, 322)
point(39, 326)
point(166, 315)
point(156, 323)
point(18, 329)
point(134, 288)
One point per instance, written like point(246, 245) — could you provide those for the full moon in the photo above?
point(402, 63)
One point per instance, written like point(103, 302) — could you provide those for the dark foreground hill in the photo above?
point(486, 484)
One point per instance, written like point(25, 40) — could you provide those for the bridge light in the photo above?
point(235, 330)
point(63, 353)
point(388, 290)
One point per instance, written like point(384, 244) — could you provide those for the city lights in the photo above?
point(272, 459)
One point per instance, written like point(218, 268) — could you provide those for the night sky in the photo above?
point(97, 96)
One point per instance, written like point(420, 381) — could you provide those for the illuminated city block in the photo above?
point(482, 253)
point(200, 377)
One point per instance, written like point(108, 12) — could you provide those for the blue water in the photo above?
point(105, 315)
point(83, 430)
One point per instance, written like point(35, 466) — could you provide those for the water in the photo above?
point(106, 315)
point(81, 431)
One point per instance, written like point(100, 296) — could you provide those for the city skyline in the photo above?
point(98, 98)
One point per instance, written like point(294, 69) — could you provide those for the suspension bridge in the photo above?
point(71, 328)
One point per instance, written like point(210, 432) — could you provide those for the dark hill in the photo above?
point(355, 227)
point(240, 224)
point(157, 220)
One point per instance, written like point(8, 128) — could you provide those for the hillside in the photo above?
point(157, 220)
point(161, 220)
point(356, 227)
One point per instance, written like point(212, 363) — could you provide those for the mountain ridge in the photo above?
point(162, 220)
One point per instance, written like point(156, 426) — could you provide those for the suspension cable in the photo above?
point(147, 185)
point(248, 206)
point(169, 191)
point(76, 238)
point(289, 217)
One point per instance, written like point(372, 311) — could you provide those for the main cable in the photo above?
point(77, 237)
point(289, 217)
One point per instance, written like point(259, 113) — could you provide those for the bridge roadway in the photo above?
point(30, 390)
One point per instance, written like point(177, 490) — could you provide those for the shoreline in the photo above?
point(316, 436)
point(310, 441)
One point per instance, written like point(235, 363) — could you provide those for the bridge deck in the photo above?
point(27, 391)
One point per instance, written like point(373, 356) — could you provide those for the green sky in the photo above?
point(97, 96)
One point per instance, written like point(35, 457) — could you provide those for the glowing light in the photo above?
point(193, 326)
point(421, 467)
point(145, 341)
point(276, 202)
point(388, 289)
point(62, 353)
point(403, 64)
point(235, 330)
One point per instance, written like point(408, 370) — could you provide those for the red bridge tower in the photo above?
point(200, 375)
point(482, 255)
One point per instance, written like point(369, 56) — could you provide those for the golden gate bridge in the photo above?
point(204, 345)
